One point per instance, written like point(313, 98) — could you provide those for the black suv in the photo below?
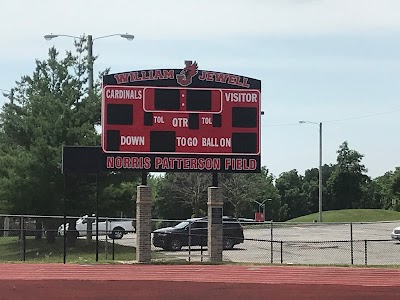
point(173, 238)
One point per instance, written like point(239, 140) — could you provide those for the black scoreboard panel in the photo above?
point(244, 117)
point(113, 139)
point(148, 119)
point(198, 100)
point(167, 99)
point(217, 120)
point(193, 121)
point(119, 114)
point(243, 142)
point(162, 141)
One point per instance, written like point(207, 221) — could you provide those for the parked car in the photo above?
point(173, 238)
point(396, 234)
point(114, 228)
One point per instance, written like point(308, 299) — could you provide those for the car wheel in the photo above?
point(60, 231)
point(175, 244)
point(117, 233)
point(228, 244)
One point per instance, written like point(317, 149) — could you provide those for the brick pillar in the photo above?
point(143, 224)
point(215, 212)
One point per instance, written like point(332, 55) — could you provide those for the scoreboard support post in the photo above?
point(215, 236)
point(144, 178)
point(215, 179)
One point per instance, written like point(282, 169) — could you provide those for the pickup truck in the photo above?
point(114, 228)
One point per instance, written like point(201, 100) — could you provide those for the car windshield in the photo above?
point(182, 225)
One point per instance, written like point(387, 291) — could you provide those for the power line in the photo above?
point(336, 120)
point(280, 125)
point(365, 116)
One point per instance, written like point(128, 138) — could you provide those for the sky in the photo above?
point(330, 61)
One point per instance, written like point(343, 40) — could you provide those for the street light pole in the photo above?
point(319, 169)
point(8, 94)
point(90, 62)
point(127, 36)
point(261, 205)
point(320, 173)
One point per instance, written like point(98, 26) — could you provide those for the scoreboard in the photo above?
point(163, 125)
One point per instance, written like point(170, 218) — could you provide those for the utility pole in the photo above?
point(320, 173)
point(90, 63)
point(319, 169)
point(9, 94)
point(127, 36)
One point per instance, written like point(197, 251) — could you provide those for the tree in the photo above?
point(383, 188)
point(311, 187)
point(294, 202)
point(181, 195)
point(372, 196)
point(395, 182)
point(387, 188)
point(348, 180)
point(395, 188)
point(241, 190)
point(118, 194)
point(50, 108)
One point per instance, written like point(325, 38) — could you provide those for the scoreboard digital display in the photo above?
point(174, 120)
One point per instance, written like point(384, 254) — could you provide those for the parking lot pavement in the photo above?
point(303, 244)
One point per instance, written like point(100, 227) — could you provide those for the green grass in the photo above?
point(352, 215)
point(42, 251)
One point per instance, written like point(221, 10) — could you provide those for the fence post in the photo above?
point(106, 243)
point(351, 242)
point(272, 243)
point(65, 239)
point(190, 239)
point(23, 238)
point(113, 249)
point(365, 249)
point(65, 215)
point(6, 226)
point(281, 252)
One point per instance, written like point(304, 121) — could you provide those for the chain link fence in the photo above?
point(44, 238)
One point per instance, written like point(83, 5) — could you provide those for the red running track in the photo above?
point(58, 281)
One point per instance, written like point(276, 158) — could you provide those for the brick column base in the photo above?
point(143, 224)
point(215, 229)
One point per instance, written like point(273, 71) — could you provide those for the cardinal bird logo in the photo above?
point(184, 78)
